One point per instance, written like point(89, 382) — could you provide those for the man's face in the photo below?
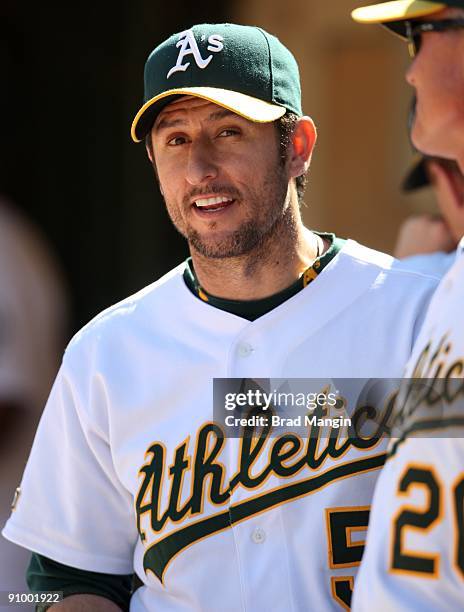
point(437, 74)
point(221, 176)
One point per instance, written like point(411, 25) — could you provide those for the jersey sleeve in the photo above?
point(71, 505)
point(43, 574)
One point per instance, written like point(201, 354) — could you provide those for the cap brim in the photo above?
point(241, 104)
point(398, 10)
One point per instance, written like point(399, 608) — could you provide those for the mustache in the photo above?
point(223, 189)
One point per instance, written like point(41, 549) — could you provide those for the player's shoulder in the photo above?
point(134, 309)
point(388, 268)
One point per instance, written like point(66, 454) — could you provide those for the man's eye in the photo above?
point(229, 132)
point(176, 141)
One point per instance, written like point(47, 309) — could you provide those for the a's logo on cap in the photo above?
point(188, 46)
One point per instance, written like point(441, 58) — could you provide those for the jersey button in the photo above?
point(245, 349)
point(258, 536)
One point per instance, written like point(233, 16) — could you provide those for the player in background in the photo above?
point(428, 242)
point(146, 483)
point(414, 558)
point(33, 329)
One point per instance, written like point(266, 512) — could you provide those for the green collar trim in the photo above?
point(253, 309)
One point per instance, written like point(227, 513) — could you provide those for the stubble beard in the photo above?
point(269, 214)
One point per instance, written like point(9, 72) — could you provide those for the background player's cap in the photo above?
point(241, 68)
point(417, 177)
point(393, 14)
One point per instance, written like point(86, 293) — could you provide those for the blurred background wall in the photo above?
point(72, 81)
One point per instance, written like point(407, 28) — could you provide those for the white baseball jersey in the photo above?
point(414, 557)
point(128, 471)
point(437, 263)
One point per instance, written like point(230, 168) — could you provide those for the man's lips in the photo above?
point(212, 204)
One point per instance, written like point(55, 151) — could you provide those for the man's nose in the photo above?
point(202, 166)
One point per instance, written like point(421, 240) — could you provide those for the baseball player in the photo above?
point(428, 242)
point(128, 473)
point(31, 343)
point(414, 557)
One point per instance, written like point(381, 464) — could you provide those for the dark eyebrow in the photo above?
point(220, 114)
point(215, 116)
point(168, 123)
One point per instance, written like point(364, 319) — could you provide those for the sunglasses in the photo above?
point(415, 29)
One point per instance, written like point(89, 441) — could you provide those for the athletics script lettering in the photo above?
point(303, 462)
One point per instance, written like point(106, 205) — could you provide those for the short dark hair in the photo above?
point(285, 128)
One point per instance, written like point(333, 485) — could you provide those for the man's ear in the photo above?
point(303, 141)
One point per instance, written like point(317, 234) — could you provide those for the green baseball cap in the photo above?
point(393, 14)
point(241, 68)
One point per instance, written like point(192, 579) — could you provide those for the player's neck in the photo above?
point(263, 272)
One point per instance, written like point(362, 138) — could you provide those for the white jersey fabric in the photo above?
point(414, 558)
point(127, 471)
point(436, 264)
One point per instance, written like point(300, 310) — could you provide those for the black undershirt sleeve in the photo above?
point(44, 574)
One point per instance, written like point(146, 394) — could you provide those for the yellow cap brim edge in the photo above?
point(397, 10)
point(241, 104)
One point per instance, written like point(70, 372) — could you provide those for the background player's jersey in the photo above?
point(128, 471)
point(414, 558)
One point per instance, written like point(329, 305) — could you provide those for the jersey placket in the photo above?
point(259, 538)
